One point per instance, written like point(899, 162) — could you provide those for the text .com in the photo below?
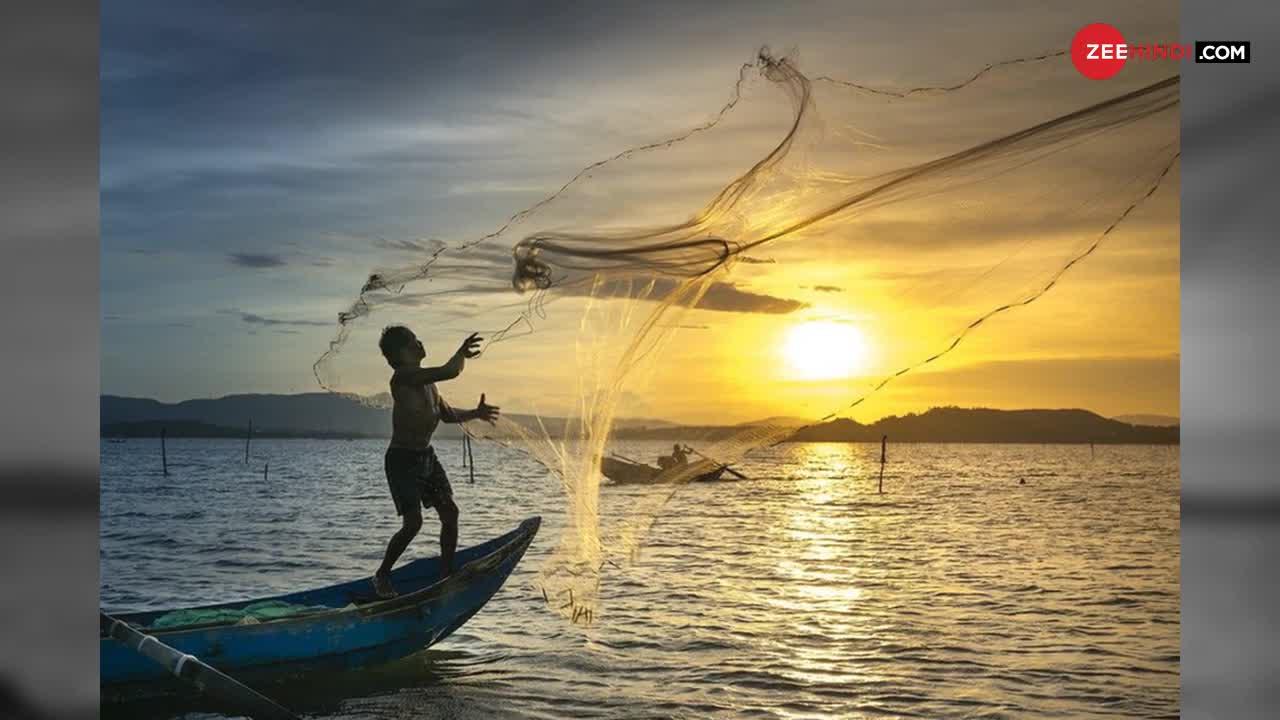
point(1100, 50)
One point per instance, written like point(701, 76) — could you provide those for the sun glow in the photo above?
point(824, 350)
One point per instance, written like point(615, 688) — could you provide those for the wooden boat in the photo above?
point(360, 631)
point(625, 472)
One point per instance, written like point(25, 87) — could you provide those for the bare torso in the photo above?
point(415, 414)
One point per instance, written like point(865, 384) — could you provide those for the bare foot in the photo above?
point(382, 586)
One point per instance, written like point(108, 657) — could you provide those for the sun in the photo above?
point(824, 350)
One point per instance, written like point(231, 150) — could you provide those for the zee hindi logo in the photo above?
point(1099, 51)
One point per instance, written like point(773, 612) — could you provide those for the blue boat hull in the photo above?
point(351, 636)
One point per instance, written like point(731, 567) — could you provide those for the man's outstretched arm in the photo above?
point(483, 411)
point(448, 371)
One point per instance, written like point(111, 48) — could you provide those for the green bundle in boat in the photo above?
point(263, 611)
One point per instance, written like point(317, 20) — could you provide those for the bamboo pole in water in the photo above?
point(246, 441)
point(884, 439)
point(212, 682)
point(471, 461)
point(164, 456)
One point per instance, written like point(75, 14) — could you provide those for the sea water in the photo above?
point(986, 581)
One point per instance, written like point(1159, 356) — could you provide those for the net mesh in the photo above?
point(944, 207)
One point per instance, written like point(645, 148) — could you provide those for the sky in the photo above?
point(257, 163)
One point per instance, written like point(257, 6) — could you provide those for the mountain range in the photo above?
point(982, 425)
point(327, 415)
point(1152, 420)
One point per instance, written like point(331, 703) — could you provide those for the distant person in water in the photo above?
point(413, 471)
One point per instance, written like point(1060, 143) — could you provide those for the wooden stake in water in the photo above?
point(264, 471)
point(471, 461)
point(246, 441)
point(884, 439)
point(164, 456)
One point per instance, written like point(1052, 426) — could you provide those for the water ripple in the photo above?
point(802, 593)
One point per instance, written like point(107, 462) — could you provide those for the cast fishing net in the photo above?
point(677, 265)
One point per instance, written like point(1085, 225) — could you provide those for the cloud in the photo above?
point(828, 288)
point(720, 297)
point(725, 297)
point(255, 319)
point(492, 187)
point(257, 261)
point(426, 247)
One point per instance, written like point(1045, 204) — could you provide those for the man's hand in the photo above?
point(453, 368)
point(486, 412)
point(471, 346)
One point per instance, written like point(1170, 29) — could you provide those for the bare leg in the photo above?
point(395, 548)
point(448, 536)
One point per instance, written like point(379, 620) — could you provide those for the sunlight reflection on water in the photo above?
point(801, 592)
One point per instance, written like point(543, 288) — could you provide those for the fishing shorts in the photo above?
point(416, 476)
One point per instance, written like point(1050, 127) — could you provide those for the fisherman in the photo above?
point(677, 457)
point(414, 474)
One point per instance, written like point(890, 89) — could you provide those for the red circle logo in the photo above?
point(1098, 51)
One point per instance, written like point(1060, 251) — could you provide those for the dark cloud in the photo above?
point(257, 261)
point(755, 261)
point(255, 319)
point(724, 297)
point(828, 288)
point(720, 297)
point(413, 246)
point(416, 299)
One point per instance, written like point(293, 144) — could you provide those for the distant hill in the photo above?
point(306, 415)
point(981, 425)
point(704, 433)
point(320, 414)
point(777, 420)
point(195, 429)
point(1151, 420)
point(682, 433)
point(325, 415)
point(643, 423)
